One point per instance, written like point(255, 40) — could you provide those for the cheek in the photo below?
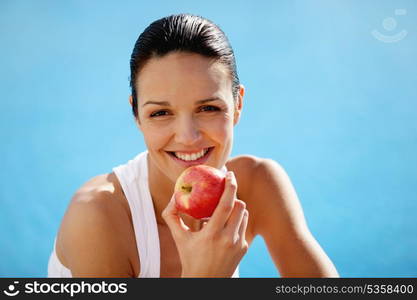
point(222, 134)
point(154, 138)
point(220, 129)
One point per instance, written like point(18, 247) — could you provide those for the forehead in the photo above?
point(186, 75)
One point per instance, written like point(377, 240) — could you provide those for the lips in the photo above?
point(180, 155)
point(187, 156)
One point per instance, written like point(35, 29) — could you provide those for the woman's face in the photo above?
point(186, 111)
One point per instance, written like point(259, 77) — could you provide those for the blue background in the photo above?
point(336, 107)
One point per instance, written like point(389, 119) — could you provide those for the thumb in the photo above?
point(171, 216)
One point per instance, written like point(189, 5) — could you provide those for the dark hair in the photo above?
point(183, 32)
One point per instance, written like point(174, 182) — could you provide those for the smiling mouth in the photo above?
point(191, 157)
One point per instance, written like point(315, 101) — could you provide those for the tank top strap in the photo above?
point(133, 177)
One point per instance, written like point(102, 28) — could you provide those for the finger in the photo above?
point(204, 224)
point(226, 203)
point(233, 224)
point(244, 225)
point(171, 216)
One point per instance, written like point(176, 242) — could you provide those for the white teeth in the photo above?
point(191, 157)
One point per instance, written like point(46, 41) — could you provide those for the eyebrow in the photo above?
point(166, 103)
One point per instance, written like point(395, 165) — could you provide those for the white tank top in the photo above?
point(133, 177)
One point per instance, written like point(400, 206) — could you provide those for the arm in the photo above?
point(280, 221)
point(90, 238)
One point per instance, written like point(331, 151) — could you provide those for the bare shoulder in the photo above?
point(240, 161)
point(251, 162)
point(100, 196)
point(95, 232)
point(252, 170)
point(276, 214)
point(267, 190)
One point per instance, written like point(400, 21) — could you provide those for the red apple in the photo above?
point(198, 190)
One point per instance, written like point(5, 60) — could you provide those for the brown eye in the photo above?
point(159, 113)
point(209, 108)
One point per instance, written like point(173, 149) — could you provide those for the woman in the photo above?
point(186, 99)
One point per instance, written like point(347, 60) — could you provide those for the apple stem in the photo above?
point(186, 188)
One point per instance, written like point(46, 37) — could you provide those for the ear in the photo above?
point(238, 104)
point(136, 119)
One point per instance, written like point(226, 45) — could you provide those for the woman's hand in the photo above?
point(216, 249)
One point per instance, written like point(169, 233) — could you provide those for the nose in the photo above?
point(187, 131)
